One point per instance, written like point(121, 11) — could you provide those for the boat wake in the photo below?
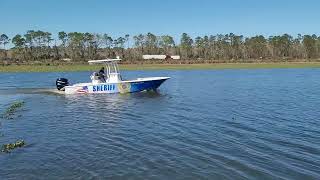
point(51, 91)
point(10, 91)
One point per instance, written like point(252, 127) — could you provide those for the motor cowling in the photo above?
point(61, 83)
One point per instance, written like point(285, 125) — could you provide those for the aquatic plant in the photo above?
point(8, 115)
point(8, 147)
point(12, 109)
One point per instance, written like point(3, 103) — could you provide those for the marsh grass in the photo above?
point(12, 109)
point(7, 148)
point(9, 114)
point(82, 67)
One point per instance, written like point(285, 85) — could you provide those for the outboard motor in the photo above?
point(61, 83)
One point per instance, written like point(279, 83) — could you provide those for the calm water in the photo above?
point(202, 124)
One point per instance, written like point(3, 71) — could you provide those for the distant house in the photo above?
point(66, 59)
point(175, 57)
point(163, 57)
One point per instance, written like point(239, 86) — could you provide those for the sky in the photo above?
point(173, 17)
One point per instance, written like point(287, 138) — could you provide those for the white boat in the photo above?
point(111, 82)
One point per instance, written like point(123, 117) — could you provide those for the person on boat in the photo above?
point(102, 75)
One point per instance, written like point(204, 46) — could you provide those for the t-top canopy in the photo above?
point(104, 61)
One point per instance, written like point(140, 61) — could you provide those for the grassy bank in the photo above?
point(62, 68)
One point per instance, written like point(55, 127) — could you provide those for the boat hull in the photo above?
point(138, 85)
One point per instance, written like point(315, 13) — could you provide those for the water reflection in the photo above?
point(107, 108)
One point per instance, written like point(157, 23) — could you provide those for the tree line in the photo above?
point(42, 47)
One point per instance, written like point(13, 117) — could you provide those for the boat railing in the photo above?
point(112, 73)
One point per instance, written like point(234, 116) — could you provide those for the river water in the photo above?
point(201, 124)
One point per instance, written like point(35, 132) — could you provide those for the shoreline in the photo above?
point(82, 67)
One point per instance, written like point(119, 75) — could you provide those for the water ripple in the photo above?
point(223, 124)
